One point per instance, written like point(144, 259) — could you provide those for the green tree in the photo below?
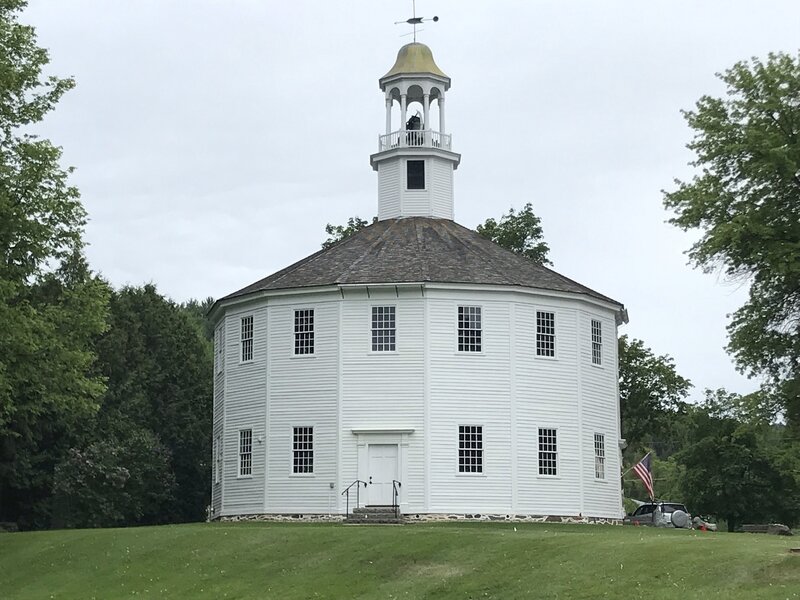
point(338, 233)
point(158, 363)
point(746, 203)
point(520, 232)
point(652, 399)
point(740, 471)
point(51, 305)
point(124, 478)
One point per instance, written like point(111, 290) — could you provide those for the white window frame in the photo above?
point(295, 450)
point(538, 333)
point(469, 307)
point(597, 341)
point(247, 336)
point(599, 456)
point(424, 162)
point(479, 457)
point(296, 333)
point(540, 452)
point(219, 349)
point(392, 330)
point(217, 459)
point(242, 463)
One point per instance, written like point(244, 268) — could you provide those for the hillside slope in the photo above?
point(478, 561)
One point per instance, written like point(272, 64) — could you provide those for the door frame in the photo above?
point(400, 438)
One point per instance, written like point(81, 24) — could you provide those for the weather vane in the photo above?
point(415, 20)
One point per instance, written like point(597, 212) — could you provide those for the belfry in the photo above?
point(415, 160)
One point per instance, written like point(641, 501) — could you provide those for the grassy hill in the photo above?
point(466, 561)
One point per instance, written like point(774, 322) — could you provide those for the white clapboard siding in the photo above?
point(384, 390)
point(303, 392)
point(599, 403)
point(244, 409)
point(469, 389)
point(217, 425)
point(417, 203)
point(417, 396)
point(389, 186)
point(441, 184)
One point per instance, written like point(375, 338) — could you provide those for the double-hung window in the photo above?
point(245, 452)
point(247, 338)
point(548, 452)
point(469, 329)
point(545, 333)
point(383, 329)
point(304, 331)
point(470, 449)
point(597, 342)
point(303, 450)
point(599, 456)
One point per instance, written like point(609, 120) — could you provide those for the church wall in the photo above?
point(468, 389)
point(601, 415)
point(302, 391)
point(245, 384)
point(547, 397)
point(441, 173)
point(383, 389)
point(217, 430)
point(389, 186)
point(417, 203)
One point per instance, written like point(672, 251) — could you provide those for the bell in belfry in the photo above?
point(414, 123)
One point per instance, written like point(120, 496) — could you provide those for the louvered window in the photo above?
point(247, 338)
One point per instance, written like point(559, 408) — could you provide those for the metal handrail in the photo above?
point(356, 483)
point(395, 493)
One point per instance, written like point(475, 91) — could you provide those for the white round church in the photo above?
point(450, 376)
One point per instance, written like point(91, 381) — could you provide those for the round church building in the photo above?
point(416, 367)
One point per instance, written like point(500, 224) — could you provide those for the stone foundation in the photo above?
point(427, 518)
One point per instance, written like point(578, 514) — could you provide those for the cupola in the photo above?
point(415, 160)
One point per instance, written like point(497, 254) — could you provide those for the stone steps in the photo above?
point(374, 515)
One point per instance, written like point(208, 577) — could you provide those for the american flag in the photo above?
point(642, 470)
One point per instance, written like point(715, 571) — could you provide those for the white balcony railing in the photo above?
point(424, 138)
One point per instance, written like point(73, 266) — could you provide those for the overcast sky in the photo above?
point(213, 140)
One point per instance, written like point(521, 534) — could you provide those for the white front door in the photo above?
point(382, 465)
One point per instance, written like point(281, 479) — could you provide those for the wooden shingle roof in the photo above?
point(417, 250)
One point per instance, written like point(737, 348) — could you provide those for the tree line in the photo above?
point(106, 394)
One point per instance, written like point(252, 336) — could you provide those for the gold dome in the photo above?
point(415, 58)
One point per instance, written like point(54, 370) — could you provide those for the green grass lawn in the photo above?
point(473, 560)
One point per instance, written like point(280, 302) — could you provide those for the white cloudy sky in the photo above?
point(213, 140)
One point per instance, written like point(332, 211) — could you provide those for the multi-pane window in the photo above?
point(247, 338)
point(245, 452)
point(303, 450)
point(545, 333)
point(219, 349)
point(469, 328)
point(599, 456)
point(383, 329)
point(218, 459)
point(548, 452)
point(470, 449)
point(597, 342)
point(304, 331)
